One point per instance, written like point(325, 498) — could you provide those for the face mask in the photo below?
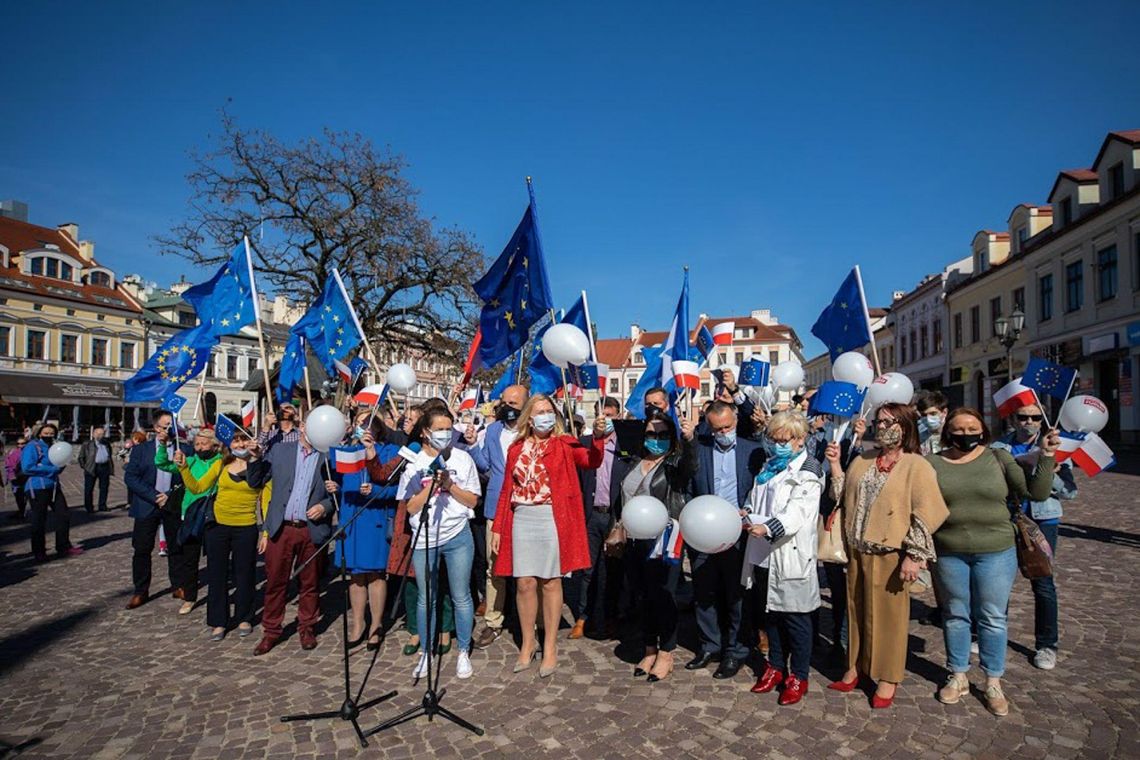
point(358, 432)
point(508, 414)
point(652, 411)
point(440, 439)
point(544, 422)
point(888, 437)
point(48, 439)
point(966, 442)
point(933, 421)
point(782, 450)
point(240, 453)
point(656, 447)
point(726, 440)
point(1026, 432)
point(609, 425)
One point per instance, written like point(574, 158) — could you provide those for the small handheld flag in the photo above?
point(686, 374)
point(1047, 377)
point(1070, 442)
point(173, 403)
point(705, 343)
point(225, 429)
point(472, 398)
point(838, 398)
point(350, 459)
point(755, 372)
point(1012, 396)
point(722, 333)
point(248, 412)
point(372, 395)
point(1093, 456)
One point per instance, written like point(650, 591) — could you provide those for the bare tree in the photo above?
point(334, 202)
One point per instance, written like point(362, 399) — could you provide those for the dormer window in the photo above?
point(983, 262)
point(45, 266)
point(100, 278)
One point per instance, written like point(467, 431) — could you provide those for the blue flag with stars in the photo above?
point(755, 373)
point(225, 302)
point(1046, 377)
point(842, 325)
point(329, 327)
point(515, 292)
point(509, 377)
point(180, 358)
point(291, 371)
point(705, 343)
point(173, 403)
point(225, 429)
point(838, 398)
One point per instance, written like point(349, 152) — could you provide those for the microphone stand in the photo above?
point(429, 704)
point(351, 706)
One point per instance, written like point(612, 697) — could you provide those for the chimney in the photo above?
point(764, 317)
point(13, 209)
point(71, 229)
point(86, 250)
point(896, 295)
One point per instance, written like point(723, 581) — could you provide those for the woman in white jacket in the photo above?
point(783, 508)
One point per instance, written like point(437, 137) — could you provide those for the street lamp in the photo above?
point(1008, 333)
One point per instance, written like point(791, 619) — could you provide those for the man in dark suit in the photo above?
point(728, 466)
point(592, 593)
point(299, 519)
point(155, 498)
point(98, 466)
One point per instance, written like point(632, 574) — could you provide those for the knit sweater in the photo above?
point(977, 493)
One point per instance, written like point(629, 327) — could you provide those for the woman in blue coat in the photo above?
point(42, 487)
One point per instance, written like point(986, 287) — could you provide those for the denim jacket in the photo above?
point(1064, 486)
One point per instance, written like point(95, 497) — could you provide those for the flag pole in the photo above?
point(257, 316)
point(200, 400)
point(355, 320)
point(562, 370)
point(867, 317)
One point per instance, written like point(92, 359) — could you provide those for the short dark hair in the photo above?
point(51, 425)
point(657, 389)
point(717, 407)
point(931, 400)
point(968, 411)
point(99, 427)
point(158, 415)
point(670, 426)
point(907, 418)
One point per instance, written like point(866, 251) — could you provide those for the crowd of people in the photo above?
point(515, 519)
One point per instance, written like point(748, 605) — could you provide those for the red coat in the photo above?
point(562, 459)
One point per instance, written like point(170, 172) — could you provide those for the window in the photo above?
point(65, 271)
point(187, 319)
point(5, 340)
point(231, 367)
point(38, 265)
point(614, 385)
point(1045, 298)
point(958, 330)
point(902, 349)
point(773, 358)
point(1136, 262)
point(1115, 181)
point(937, 347)
point(71, 312)
point(975, 324)
point(37, 307)
point(69, 348)
point(100, 278)
point(212, 366)
point(1074, 286)
point(923, 334)
point(99, 355)
point(1017, 300)
point(251, 367)
point(1022, 236)
point(126, 355)
point(1066, 207)
point(1106, 273)
point(36, 344)
point(913, 345)
point(983, 259)
point(995, 313)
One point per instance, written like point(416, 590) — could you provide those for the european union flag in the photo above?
point(225, 302)
point(356, 367)
point(515, 292)
point(588, 376)
point(173, 403)
point(1046, 377)
point(329, 326)
point(842, 326)
point(509, 377)
point(180, 358)
point(755, 372)
point(705, 343)
point(838, 398)
point(291, 371)
point(225, 429)
point(544, 376)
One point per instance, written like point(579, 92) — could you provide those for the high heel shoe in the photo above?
point(545, 672)
point(372, 647)
point(645, 665)
point(882, 703)
point(354, 643)
point(524, 664)
point(844, 686)
point(662, 667)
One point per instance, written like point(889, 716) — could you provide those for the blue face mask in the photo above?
point(726, 440)
point(609, 425)
point(782, 450)
point(656, 446)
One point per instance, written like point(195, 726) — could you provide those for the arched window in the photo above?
point(100, 278)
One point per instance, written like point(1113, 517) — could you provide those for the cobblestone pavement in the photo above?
point(80, 676)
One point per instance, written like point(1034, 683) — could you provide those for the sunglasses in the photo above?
point(662, 436)
point(1030, 417)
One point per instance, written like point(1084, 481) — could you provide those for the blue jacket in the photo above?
point(1064, 486)
point(34, 463)
point(749, 461)
point(139, 476)
point(491, 461)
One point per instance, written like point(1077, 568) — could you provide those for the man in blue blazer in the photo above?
point(299, 520)
point(154, 499)
point(491, 458)
point(728, 466)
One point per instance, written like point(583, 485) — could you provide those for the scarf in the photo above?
point(773, 467)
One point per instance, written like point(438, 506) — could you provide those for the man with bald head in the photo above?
point(491, 458)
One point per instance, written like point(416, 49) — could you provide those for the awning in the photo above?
point(17, 388)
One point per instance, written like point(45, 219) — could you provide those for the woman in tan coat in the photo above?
point(891, 506)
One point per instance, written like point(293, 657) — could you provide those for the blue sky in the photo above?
point(767, 148)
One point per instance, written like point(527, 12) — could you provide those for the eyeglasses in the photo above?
point(886, 422)
point(1030, 417)
point(664, 435)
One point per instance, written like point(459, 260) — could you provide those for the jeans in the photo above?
point(458, 553)
point(224, 542)
point(411, 607)
point(102, 476)
point(1045, 626)
point(978, 585)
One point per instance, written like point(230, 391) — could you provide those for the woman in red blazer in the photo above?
point(539, 531)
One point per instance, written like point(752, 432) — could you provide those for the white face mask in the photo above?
point(544, 422)
point(934, 421)
point(440, 439)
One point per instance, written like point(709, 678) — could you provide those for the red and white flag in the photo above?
point(1094, 455)
point(371, 395)
point(1070, 442)
point(349, 461)
point(686, 374)
point(472, 397)
point(343, 371)
point(247, 413)
point(1012, 396)
point(722, 333)
point(669, 543)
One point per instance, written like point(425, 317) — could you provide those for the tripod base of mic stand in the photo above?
point(349, 711)
point(430, 707)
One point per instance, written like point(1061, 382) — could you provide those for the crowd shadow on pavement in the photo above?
point(1104, 535)
point(18, 646)
point(7, 749)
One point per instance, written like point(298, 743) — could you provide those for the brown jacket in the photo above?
point(911, 489)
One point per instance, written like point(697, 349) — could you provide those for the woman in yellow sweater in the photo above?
point(231, 534)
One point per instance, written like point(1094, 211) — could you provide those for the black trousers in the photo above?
point(21, 497)
point(142, 542)
point(224, 542)
point(656, 581)
point(42, 500)
point(756, 605)
point(718, 598)
point(789, 640)
point(592, 594)
point(837, 582)
point(186, 572)
point(102, 476)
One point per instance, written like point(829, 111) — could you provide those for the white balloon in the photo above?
point(710, 524)
point(564, 344)
point(325, 427)
point(401, 378)
point(787, 376)
point(1080, 414)
point(891, 388)
point(644, 517)
point(766, 396)
point(853, 367)
point(59, 453)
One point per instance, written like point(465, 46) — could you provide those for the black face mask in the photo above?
point(507, 414)
point(966, 442)
point(48, 439)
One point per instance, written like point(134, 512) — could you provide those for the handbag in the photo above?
point(830, 545)
point(200, 512)
point(1034, 557)
point(614, 546)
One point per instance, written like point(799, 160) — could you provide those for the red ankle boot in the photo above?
point(794, 690)
point(768, 680)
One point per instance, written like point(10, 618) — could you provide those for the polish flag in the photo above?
point(686, 374)
point(1070, 442)
point(247, 413)
point(722, 333)
point(349, 461)
point(471, 398)
point(1012, 396)
point(371, 395)
point(343, 371)
point(1094, 455)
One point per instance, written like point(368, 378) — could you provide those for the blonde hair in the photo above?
point(794, 423)
point(526, 429)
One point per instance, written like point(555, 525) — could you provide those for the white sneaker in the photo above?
point(422, 668)
point(463, 667)
point(973, 647)
point(1045, 659)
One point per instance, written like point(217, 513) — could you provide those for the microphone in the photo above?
point(409, 453)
